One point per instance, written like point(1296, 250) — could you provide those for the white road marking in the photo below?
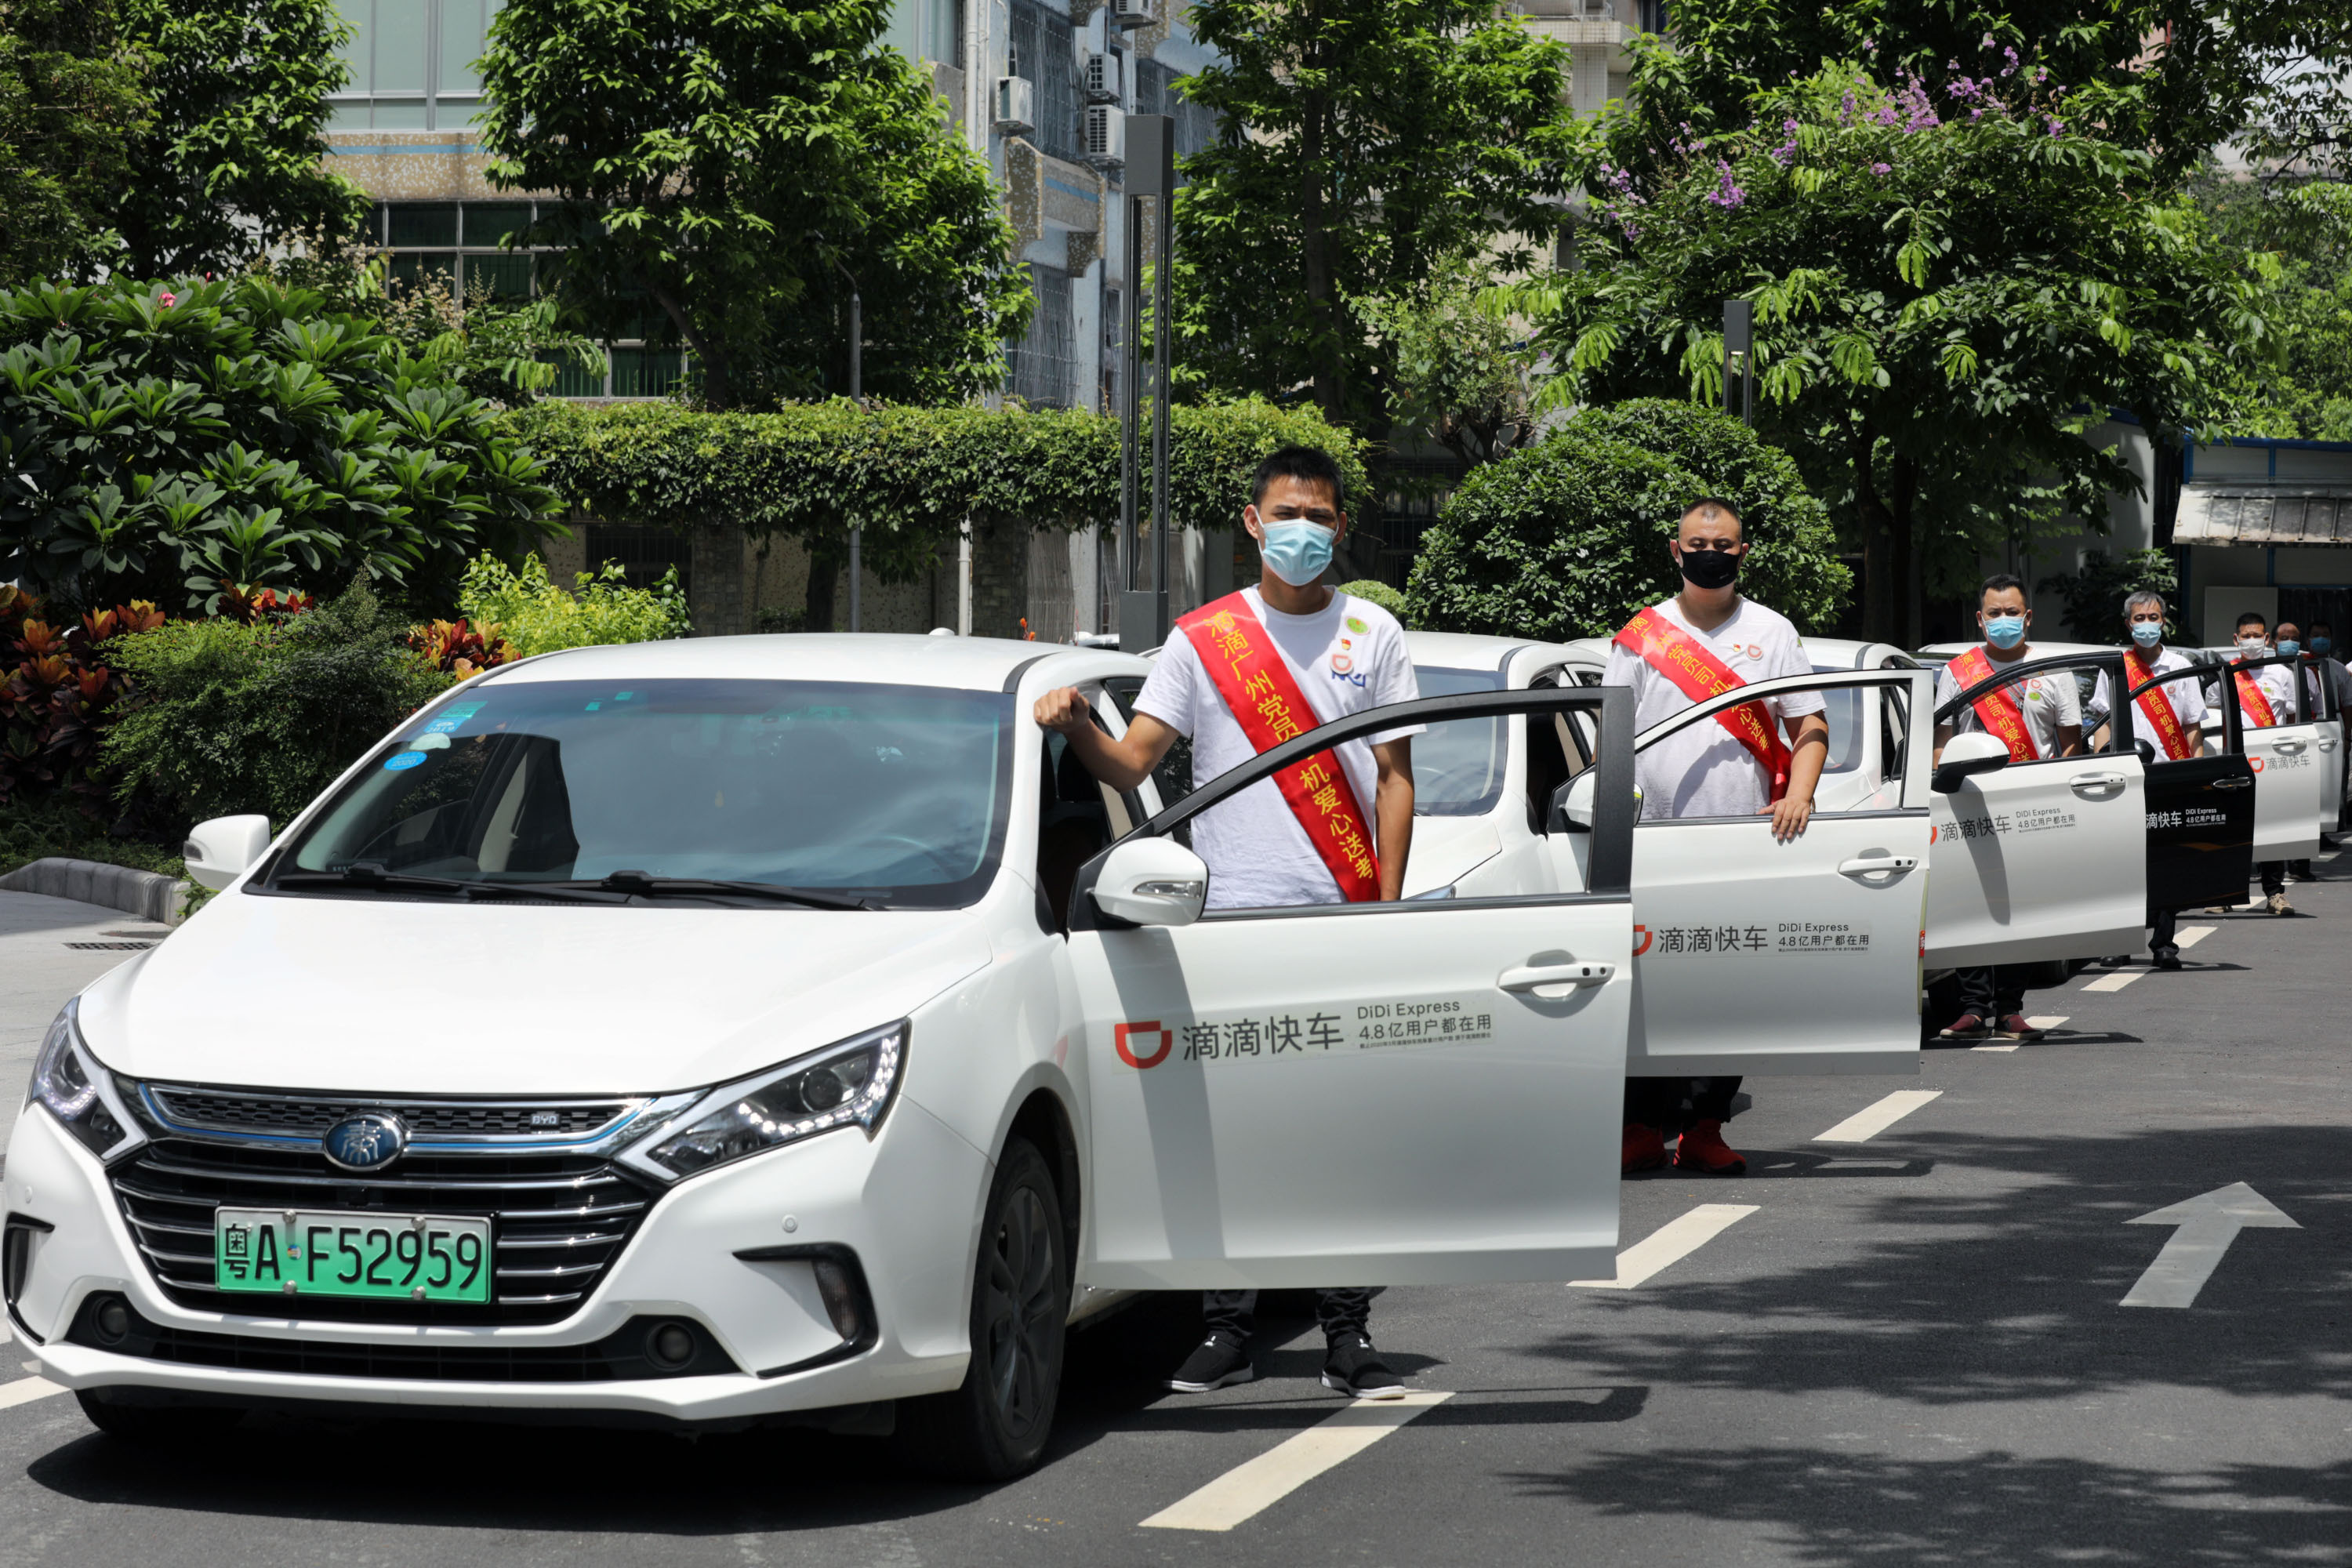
point(2207, 1224)
point(1868, 1123)
point(2039, 1021)
point(1250, 1488)
point(25, 1390)
point(2010, 1047)
point(1669, 1245)
point(2190, 936)
point(2117, 981)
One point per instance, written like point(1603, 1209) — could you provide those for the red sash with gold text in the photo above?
point(2258, 707)
point(1263, 698)
point(1997, 710)
point(1698, 675)
point(2156, 706)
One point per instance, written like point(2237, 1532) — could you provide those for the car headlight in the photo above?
point(71, 1084)
point(850, 1083)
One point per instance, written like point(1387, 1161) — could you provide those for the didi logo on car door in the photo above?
point(1128, 1037)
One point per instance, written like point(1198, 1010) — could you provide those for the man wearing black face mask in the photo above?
point(1703, 640)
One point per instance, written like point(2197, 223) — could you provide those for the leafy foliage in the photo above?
point(1461, 363)
point(1568, 538)
point(58, 695)
point(236, 718)
point(36, 827)
point(535, 615)
point(909, 476)
point(728, 166)
point(2095, 595)
point(1380, 594)
point(229, 166)
point(70, 103)
point(461, 648)
point(1950, 289)
point(2305, 232)
point(197, 443)
point(1363, 141)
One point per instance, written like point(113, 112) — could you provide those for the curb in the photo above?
point(149, 894)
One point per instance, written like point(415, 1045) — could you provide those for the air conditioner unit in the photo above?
point(1134, 13)
point(1106, 135)
point(1102, 78)
point(1015, 105)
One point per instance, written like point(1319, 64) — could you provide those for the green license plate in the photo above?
point(391, 1256)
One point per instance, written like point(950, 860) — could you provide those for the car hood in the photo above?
point(393, 997)
point(1444, 848)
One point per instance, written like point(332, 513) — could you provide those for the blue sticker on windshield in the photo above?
point(394, 764)
point(448, 718)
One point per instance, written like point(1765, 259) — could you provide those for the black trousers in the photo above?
point(1233, 1313)
point(2161, 942)
point(1993, 991)
point(2274, 877)
point(1656, 1102)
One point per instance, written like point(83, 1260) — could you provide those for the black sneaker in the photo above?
point(1218, 1363)
point(1354, 1368)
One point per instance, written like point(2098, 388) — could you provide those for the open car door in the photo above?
point(1418, 1092)
point(2201, 811)
point(2291, 786)
point(2042, 860)
point(1753, 956)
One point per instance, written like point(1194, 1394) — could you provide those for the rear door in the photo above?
point(1753, 956)
point(2200, 815)
point(2291, 786)
point(1418, 1092)
point(2042, 860)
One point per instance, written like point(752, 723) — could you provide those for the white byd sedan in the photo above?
point(770, 1028)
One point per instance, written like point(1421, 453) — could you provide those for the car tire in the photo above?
point(156, 1425)
point(995, 1426)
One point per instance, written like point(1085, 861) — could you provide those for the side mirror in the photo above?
point(1966, 756)
point(2147, 749)
point(220, 851)
point(1571, 805)
point(1152, 882)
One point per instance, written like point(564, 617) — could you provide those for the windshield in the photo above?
point(892, 793)
point(1457, 767)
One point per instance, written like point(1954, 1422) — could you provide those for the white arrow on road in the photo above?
point(2207, 1224)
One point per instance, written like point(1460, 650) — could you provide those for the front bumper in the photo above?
point(905, 1203)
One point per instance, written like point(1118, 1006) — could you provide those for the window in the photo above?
point(929, 30)
point(1043, 54)
point(1458, 766)
point(1044, 363)
point(1155, 93)
point(411, 63)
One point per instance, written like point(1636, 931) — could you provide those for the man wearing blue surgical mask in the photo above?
point(2169, 739)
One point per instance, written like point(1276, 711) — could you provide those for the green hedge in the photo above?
point(907, 477)
point(1568, 538)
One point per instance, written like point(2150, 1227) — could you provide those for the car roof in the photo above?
point(2043, 648)
point(1463, 651)
point(972, 664)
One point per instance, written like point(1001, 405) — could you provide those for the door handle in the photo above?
point(2288, 746)
point(2233, 784)
point(1865, 865)
point(2096, 781)
point(1527, 976)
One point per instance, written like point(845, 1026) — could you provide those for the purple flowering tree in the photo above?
point(1953, 284)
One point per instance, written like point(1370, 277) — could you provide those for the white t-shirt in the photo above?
point(1349, 657)
point(2278, 684)
point(1701, 770)
point(2048, 701)
point(2187, 698)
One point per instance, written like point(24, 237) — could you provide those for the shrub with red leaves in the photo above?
point(268, 605)
point(59, 694)
point(461, 648)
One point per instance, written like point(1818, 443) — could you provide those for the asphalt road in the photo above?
point(1911, 1351)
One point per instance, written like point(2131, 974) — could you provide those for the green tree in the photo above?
point(229, 167)
point(1568, 538)
point(1363, 141)
point(727, 167)
point(2305, 229)
point(1460, 362)
point(1950, 290)
point(71, 105)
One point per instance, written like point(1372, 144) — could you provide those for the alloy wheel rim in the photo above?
point(1020, 1267)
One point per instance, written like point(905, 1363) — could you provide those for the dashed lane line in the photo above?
point(2039, 1021)
point(2190, 936)
point(2117, 981)
point(1669, 1245)
point(25, 1390)
point(1249, 1489)
point(1872, 1121)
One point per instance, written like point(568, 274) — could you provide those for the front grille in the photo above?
point(557, 1221)
point(302, 1116)
point(623, 1355)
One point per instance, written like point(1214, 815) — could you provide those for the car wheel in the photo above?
point(996, 1425)
point(155, 1425)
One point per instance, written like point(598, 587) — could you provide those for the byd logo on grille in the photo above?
point(1127, 1036)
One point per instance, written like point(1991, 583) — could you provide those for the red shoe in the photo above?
point(2013, 1026)
point(1705, 1151)
point(1645, 1148)
point(1967, 1027)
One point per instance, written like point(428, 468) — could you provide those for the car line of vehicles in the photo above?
point(785, 1028)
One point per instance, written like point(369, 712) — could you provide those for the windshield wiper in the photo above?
point(367, 874)
point(644, 884)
